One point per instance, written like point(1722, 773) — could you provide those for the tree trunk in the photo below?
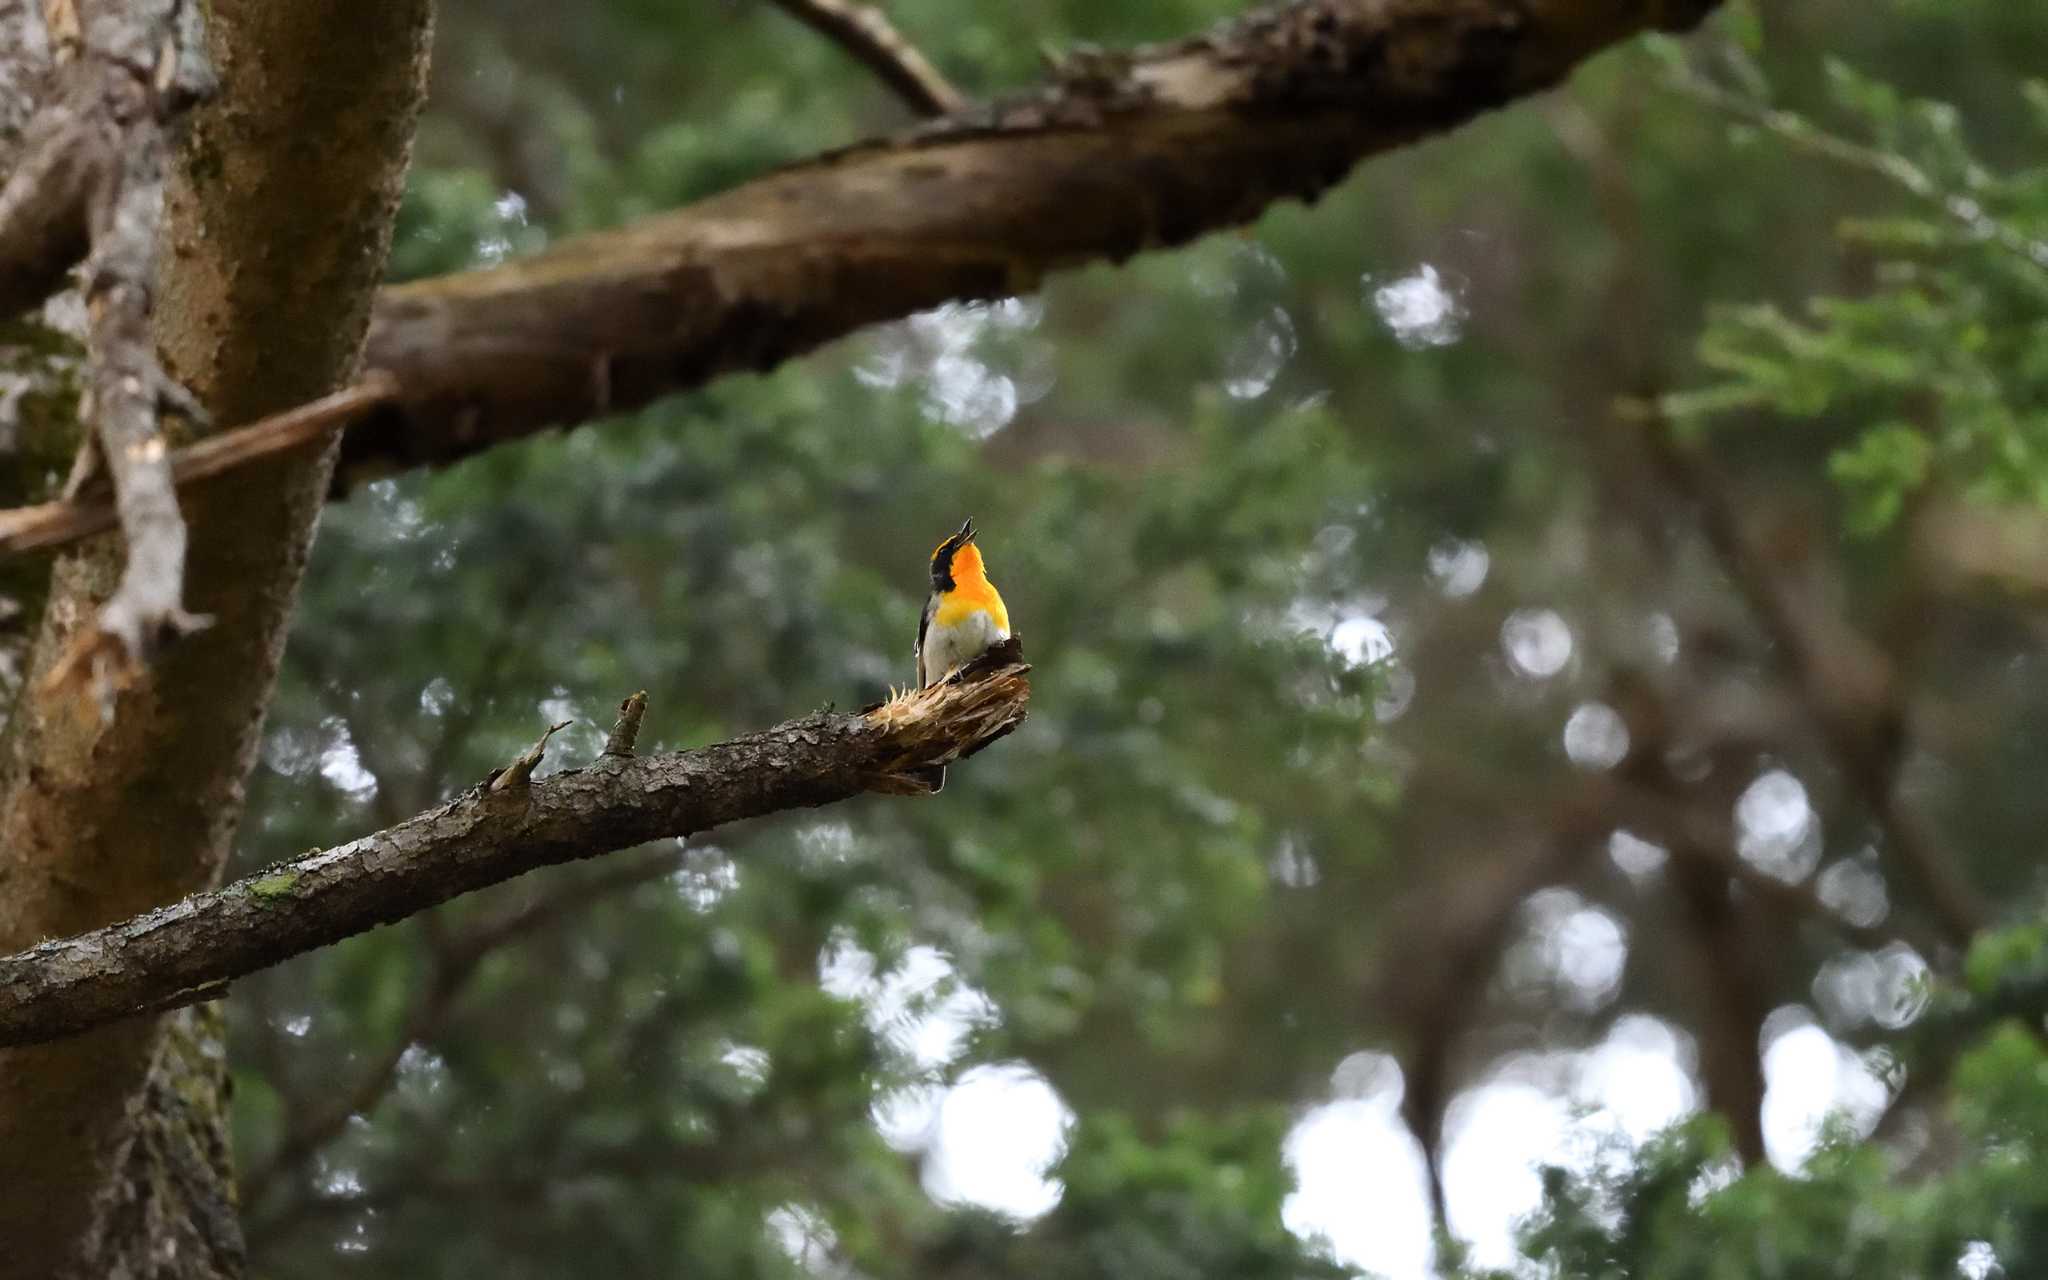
point(276, 227)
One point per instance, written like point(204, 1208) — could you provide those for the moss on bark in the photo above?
point(277, 220)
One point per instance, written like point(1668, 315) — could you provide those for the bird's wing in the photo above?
point(924, 622)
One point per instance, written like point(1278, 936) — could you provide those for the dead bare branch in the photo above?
point(164, 959)
point(520, 771)
point(92, 173)
point(53, 524)
point(865, 32)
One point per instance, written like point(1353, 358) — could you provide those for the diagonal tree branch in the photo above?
point(1118, 155)
point(53, 524)
point(190, 950)
point(1849, 686)
point(865, 32)
point(1124, 154)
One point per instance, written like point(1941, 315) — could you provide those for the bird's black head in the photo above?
point(942, 559)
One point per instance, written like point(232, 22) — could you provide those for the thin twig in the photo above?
point(1797, 131)
point(865, 32)
point(53, 524)
point(521, 769)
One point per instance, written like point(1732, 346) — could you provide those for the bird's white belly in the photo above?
point(959, 644)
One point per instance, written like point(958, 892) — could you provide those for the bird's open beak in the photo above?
point(966, 534)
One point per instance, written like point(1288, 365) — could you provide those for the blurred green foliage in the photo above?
point(1974, 1208)
point(1215, 487)
point(1943, 351)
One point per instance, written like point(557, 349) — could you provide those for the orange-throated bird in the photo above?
point(962, 620)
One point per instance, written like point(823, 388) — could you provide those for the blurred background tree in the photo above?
point(1540, 645)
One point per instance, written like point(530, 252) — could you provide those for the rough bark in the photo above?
point(43, 195)
point(1122, 153)
point(22, 70)
point(190, 950)
point(33, 357)
point(277, 218)
point(172, 1209)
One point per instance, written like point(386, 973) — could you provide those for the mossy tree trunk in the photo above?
point(113, 1155)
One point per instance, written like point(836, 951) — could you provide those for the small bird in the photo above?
point(962, 620)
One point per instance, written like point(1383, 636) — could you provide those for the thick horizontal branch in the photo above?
point(192, 949)
point(1123, 153)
